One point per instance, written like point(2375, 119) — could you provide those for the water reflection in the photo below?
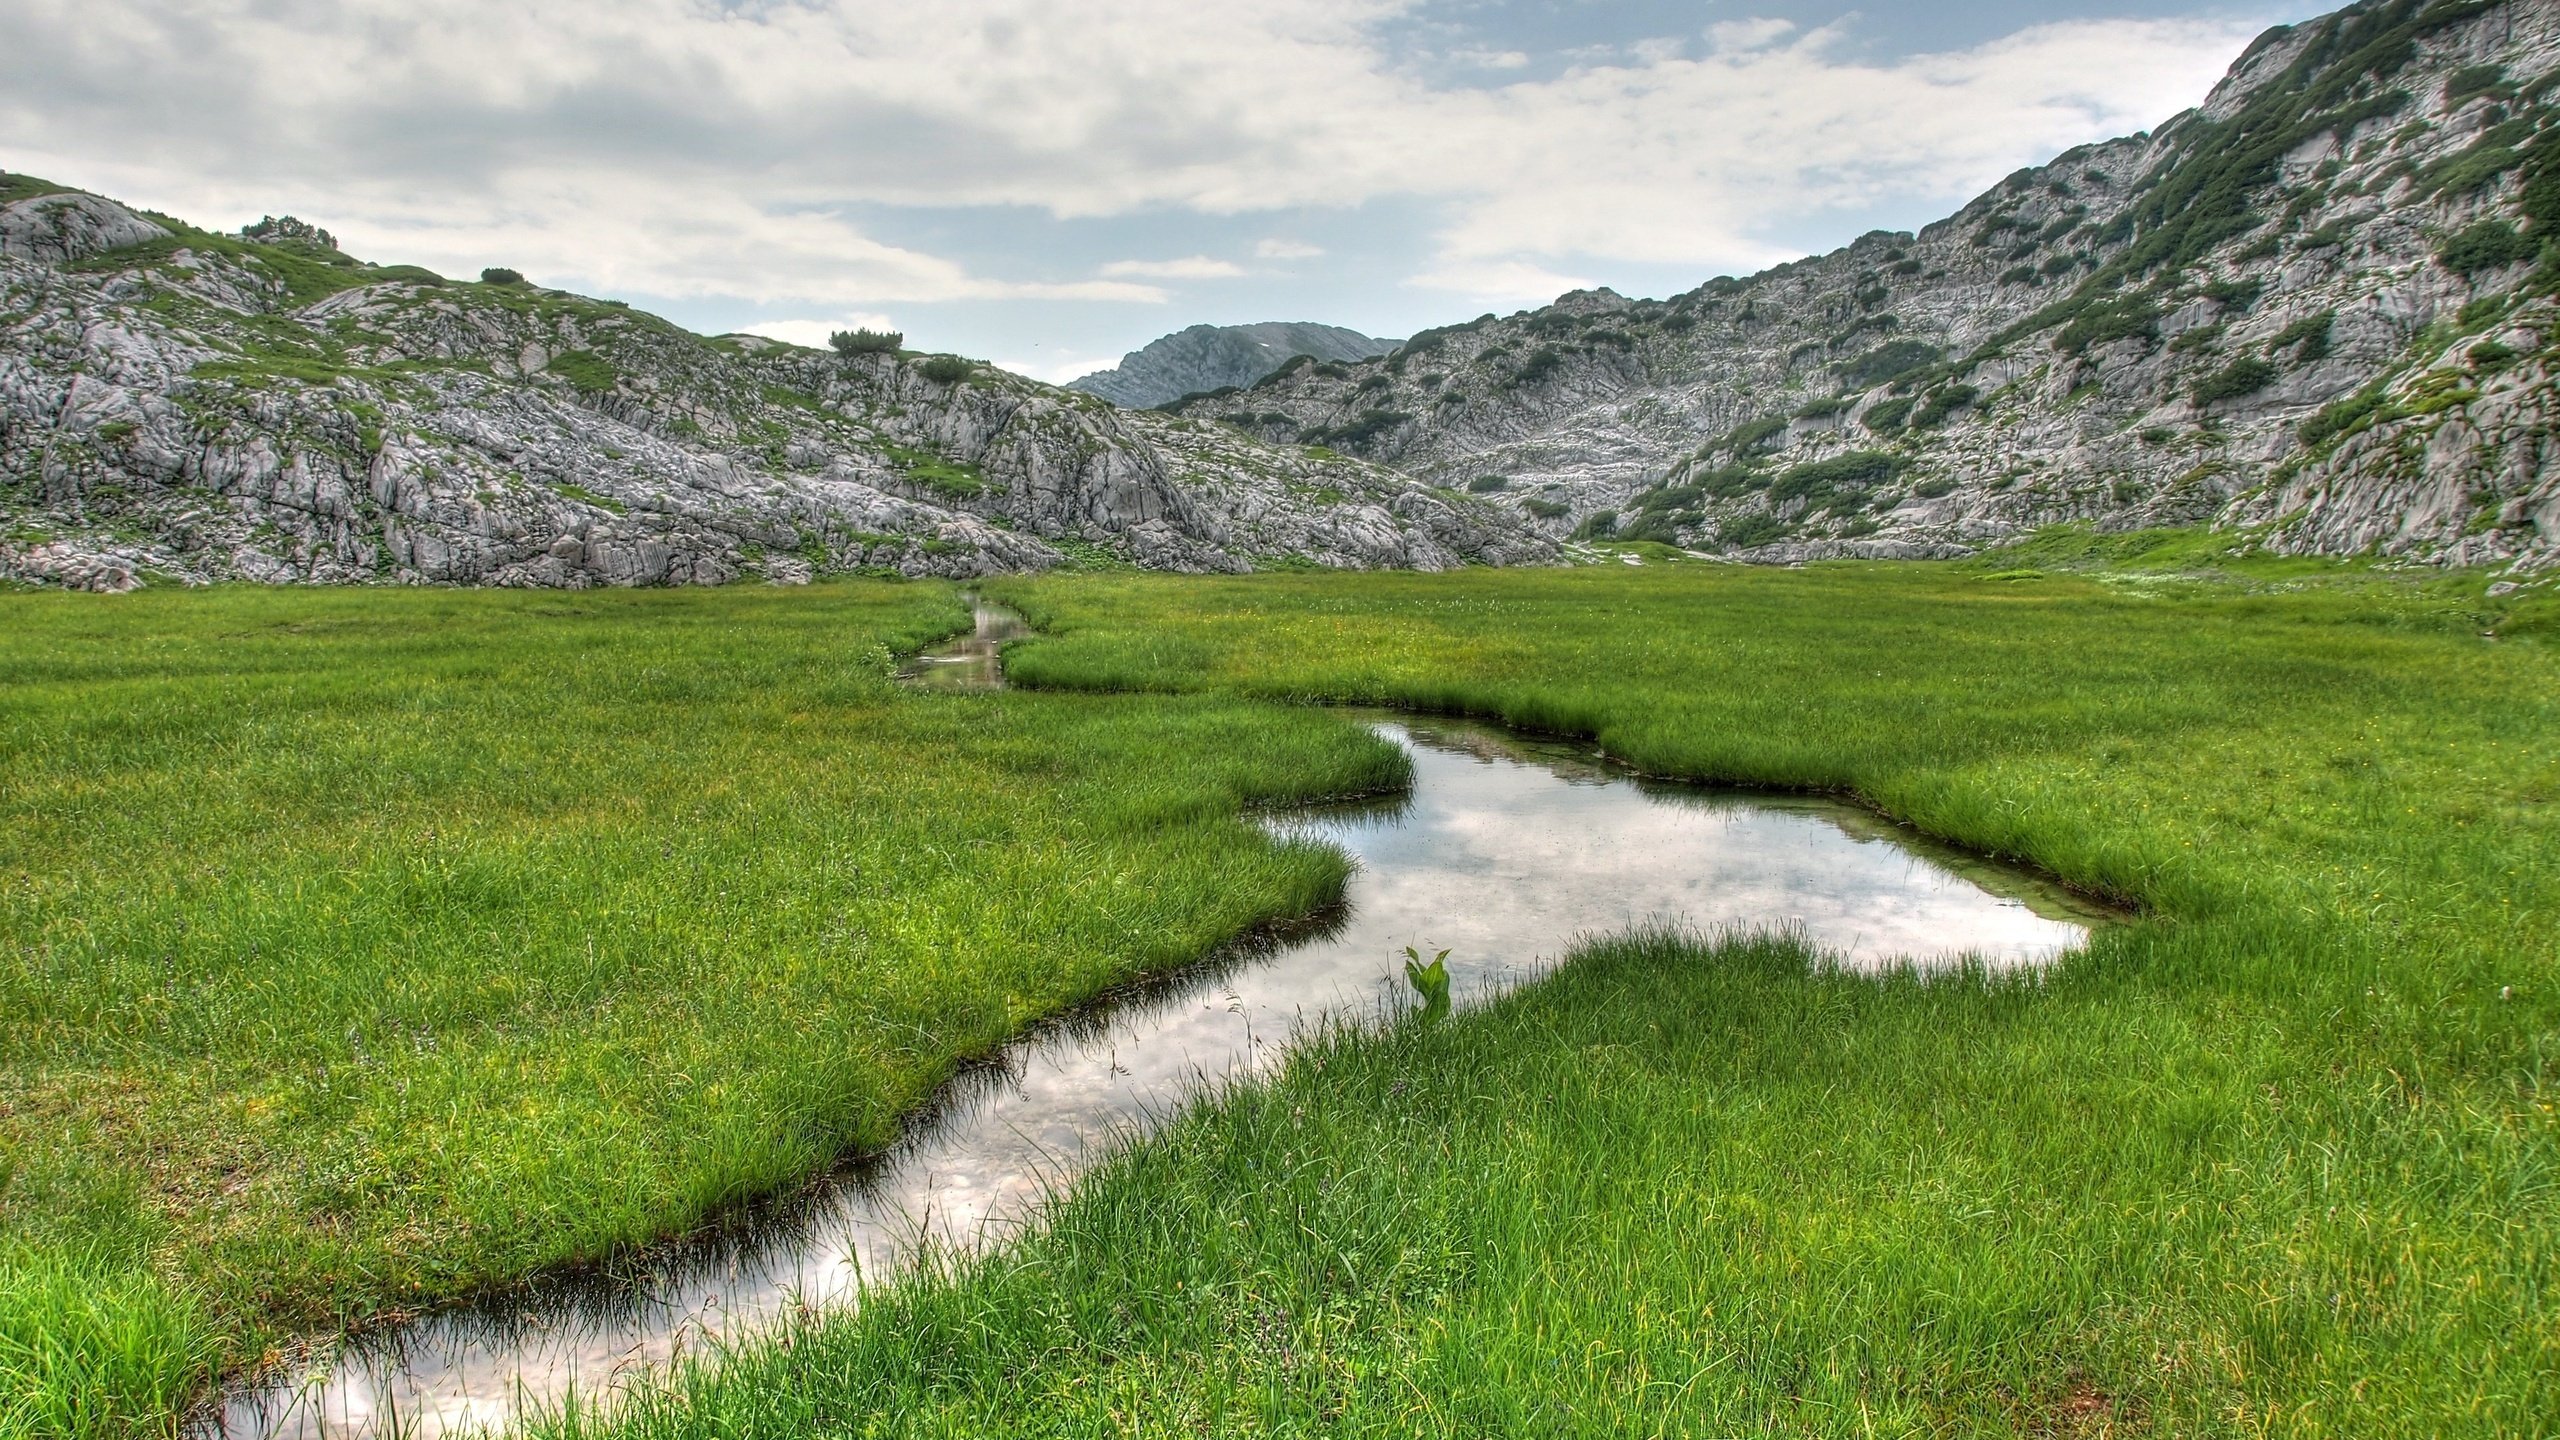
point(970, 662)
point(1506, 852)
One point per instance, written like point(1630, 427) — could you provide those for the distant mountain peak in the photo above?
point(1214, 357)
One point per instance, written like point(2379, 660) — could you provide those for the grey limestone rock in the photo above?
point(57, 229)
point(229, 408)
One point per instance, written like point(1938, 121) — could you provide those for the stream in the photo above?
point(1505, 852)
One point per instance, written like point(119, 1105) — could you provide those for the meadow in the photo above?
point(359, 948)
point(2280, 1156)
point(363, 946)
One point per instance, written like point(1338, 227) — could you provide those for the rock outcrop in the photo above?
point(2319, 307)
point(1207, 358)
point(188, 406)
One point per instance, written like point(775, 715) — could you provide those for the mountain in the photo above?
point(2320, 308)
point(193, 406)
point(1215, 357)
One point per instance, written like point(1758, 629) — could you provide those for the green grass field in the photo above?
point(367, 944)
point(2281, 1158)
point(357, 948)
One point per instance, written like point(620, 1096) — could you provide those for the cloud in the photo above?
point(750, 149)
point(1681, 160)
point(1755, 34)
point(1059, 369)
point(814, 333)
point(1500, 282)
point(1286, 250)
point(1196, 267)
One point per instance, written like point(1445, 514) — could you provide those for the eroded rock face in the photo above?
point(58, 229)
point(2461, 466)
point(217, 408)
point(2104, 339)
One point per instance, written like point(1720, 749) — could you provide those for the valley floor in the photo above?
point(363, 945)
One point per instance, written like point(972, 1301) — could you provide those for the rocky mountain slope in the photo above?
point(181, 404)
point(1210, 357)
point(2320, 307)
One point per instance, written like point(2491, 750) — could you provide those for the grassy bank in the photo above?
point(361, 947)
point(2281, 1158)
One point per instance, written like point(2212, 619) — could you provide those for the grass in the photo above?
point(586, 370)
point(956, 478)
point(362, 947)
point(2282, 1157)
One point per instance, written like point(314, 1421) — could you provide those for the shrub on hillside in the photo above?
point(2308, 337)
point(1943, 402)
point(946, 369)
point(2245, 376)
point(501, 275)
point(2473, 80)
point(1754, 436)
point(1857, 470)
point(2109, 322)
point(2235, 294)
point(1542, 362)
point(1744, 532)
point(1889, 361)
point(1487, 484)
point(2346, 417)
point(2489, 245)
point(1288, 367)
point(1887, 417)
point(1355, 433)
point(275, 229)
point(2490, 354)
point(868, 342)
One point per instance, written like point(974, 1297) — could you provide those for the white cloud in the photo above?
point(1499, 282)
point(1196, 267)
point(1286, 250)
point(1679, 160)
point(814, 333)
point(749, 150)
point(1059, 369)
point(1754, 34)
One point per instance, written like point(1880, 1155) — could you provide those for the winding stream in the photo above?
point(1505, 852)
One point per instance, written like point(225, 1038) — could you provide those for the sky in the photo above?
point(1049, 183)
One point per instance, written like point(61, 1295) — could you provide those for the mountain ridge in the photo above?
point(2318, 308)
point(192, 406)
point(2321, 309)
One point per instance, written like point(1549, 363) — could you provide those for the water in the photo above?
point(969, 662)
point(1505, 852)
